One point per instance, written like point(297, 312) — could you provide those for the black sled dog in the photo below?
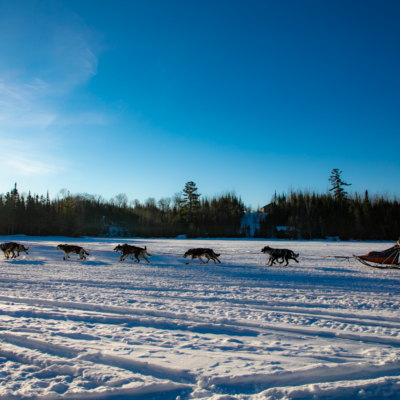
point(275, 254)
point(198, 253)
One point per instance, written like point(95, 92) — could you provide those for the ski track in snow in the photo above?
point(104, 329)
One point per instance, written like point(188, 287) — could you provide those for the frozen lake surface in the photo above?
point(104, 329)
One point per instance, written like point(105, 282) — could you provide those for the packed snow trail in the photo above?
point(104, 329)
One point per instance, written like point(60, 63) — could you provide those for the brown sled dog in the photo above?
point(7, 248)
point(275, 254)
point(69, 249)
point(128, 250)
point(198, 253)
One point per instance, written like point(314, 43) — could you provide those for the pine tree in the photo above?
point(191, 201)
point(338, 192)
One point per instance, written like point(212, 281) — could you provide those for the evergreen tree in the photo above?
point(338, 192)
point(191, 201)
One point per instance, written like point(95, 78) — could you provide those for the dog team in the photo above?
point(138, 252)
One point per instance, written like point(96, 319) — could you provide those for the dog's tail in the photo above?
point(296, 255)
point(86, 252)
point(216, 255)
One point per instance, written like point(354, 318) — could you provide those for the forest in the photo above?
point(309, 215)
point(302, 214)
point(89, 215)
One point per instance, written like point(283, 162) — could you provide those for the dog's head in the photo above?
point(266, 249)
point(119, 247)
point(188, 253)
point(60, 247)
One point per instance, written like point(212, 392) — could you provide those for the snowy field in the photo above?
point(104, 329)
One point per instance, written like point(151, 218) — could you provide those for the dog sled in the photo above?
point(386, 259)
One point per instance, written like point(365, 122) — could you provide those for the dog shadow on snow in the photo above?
point(88, 262)
point(26, 262)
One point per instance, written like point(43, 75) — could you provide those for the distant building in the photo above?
point(266, 208)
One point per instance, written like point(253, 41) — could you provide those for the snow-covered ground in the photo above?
point(104, 329)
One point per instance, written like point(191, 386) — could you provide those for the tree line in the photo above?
point(302, 214)
point(90, 215)
point(311, 215)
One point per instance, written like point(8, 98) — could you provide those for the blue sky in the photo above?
point(137, 97)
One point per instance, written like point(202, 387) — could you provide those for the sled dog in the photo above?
point(7, 248)
point(275, 254)
point(128, 250)
point(69, 249)
point(198, 253)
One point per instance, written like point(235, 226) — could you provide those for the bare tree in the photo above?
point(121, 200)
point(135, 203)
point(178, 200)
point(150, 202)
point(64, 193)
point(164, 204)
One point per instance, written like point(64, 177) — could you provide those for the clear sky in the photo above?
point(139, 97)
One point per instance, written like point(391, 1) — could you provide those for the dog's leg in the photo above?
point(143, 255)
point(201, 260)
point(193, 257)
point(271, 261)
point(295, 260)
